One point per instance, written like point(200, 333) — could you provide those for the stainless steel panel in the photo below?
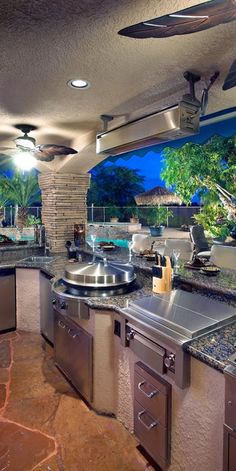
point(188, 314)
point(98, 274)
point(150, 353)
point(152, 435)
point(230, 398)
point(7, 299)
point(150, 397)
point(172, 123)
point(71, 307)
point(46, 308)
point(73, 354)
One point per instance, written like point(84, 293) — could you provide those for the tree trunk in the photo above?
point(1, 215)
point(21, 218)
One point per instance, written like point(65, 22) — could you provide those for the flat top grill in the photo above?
point(187, 314)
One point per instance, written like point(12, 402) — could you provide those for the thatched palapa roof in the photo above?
point(157, 196)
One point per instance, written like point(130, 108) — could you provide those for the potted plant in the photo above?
point(157, 218)
point(113, 213)
point(134, 216)
point(213, 218)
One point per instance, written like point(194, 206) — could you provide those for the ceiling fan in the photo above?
point(27, 145)
point(190, 20)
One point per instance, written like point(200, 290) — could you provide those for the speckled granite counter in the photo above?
point(214, 348)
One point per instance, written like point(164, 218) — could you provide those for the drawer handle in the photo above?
point(152, 424)
point(151, 394)
point(60, 324)
point(70, 332)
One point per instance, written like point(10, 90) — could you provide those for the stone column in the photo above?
point(63, 205)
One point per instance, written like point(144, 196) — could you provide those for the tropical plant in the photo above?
point(135, 212)
point(22, 191)
point(206, 169)
point(32, 221)
point(113, 212)
point(214, 220)
point(114, 185)
point(158, 216)
point(3, 201)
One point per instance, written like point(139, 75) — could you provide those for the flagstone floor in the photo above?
point(45, 426)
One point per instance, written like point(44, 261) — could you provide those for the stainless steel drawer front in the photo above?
point(151, 434)
point(152, 413)
point(150, 398)
point(73, 354)
point(149, 352)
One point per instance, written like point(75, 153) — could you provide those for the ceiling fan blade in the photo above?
point(47, 152)
point(230, 80)
point(6, 148)
point(190, 20)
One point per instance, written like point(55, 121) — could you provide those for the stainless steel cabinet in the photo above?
point(46, 308)
point(152, 413)
point(73, 354)
point(7, 299)
point(230, 420)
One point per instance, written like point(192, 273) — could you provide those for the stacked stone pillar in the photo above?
point(63, 205)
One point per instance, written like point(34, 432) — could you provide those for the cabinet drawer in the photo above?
point(151, 398)
point(229, 449)
point(152, 413)
point(152, 435)
point(230, 401)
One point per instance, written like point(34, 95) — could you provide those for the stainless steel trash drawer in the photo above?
point(73, 354)
point(152, 413)
point(151, 433)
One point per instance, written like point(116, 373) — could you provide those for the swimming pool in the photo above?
point(118, 242)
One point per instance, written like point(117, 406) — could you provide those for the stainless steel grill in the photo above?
point(159, 326)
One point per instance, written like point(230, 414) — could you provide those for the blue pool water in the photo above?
point(28, 238)
point(118, 242)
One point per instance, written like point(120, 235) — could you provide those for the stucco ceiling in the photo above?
point(44, 43)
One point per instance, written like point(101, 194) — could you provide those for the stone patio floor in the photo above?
point(45, 426)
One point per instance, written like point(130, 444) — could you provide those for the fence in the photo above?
point(9, 213)
point(180, 214)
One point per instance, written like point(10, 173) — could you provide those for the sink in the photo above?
point(39, 259)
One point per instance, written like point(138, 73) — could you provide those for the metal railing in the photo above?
point(9, 213)
point(101, 214)
point(181, 214)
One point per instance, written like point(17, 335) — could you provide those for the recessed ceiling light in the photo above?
point(146, 23)
point(196, 17)
point(78, 83)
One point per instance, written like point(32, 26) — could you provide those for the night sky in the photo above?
point(149, 160)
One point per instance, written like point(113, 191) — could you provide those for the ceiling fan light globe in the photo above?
point(24, 160)
point(25, 141)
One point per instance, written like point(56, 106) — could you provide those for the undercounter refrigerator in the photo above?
point(7, 299)
point(46, 308)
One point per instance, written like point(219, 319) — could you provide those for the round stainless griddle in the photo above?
point(66, 290)
point(98, 274)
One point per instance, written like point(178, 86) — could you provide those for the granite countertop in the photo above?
point(214, 349)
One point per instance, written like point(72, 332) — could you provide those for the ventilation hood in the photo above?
point(173, 123)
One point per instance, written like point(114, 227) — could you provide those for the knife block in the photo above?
point(162, 284)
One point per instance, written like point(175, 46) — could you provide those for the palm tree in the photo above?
point(3, 201)
point(23, 191)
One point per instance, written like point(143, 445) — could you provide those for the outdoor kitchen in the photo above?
point(118, 283)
